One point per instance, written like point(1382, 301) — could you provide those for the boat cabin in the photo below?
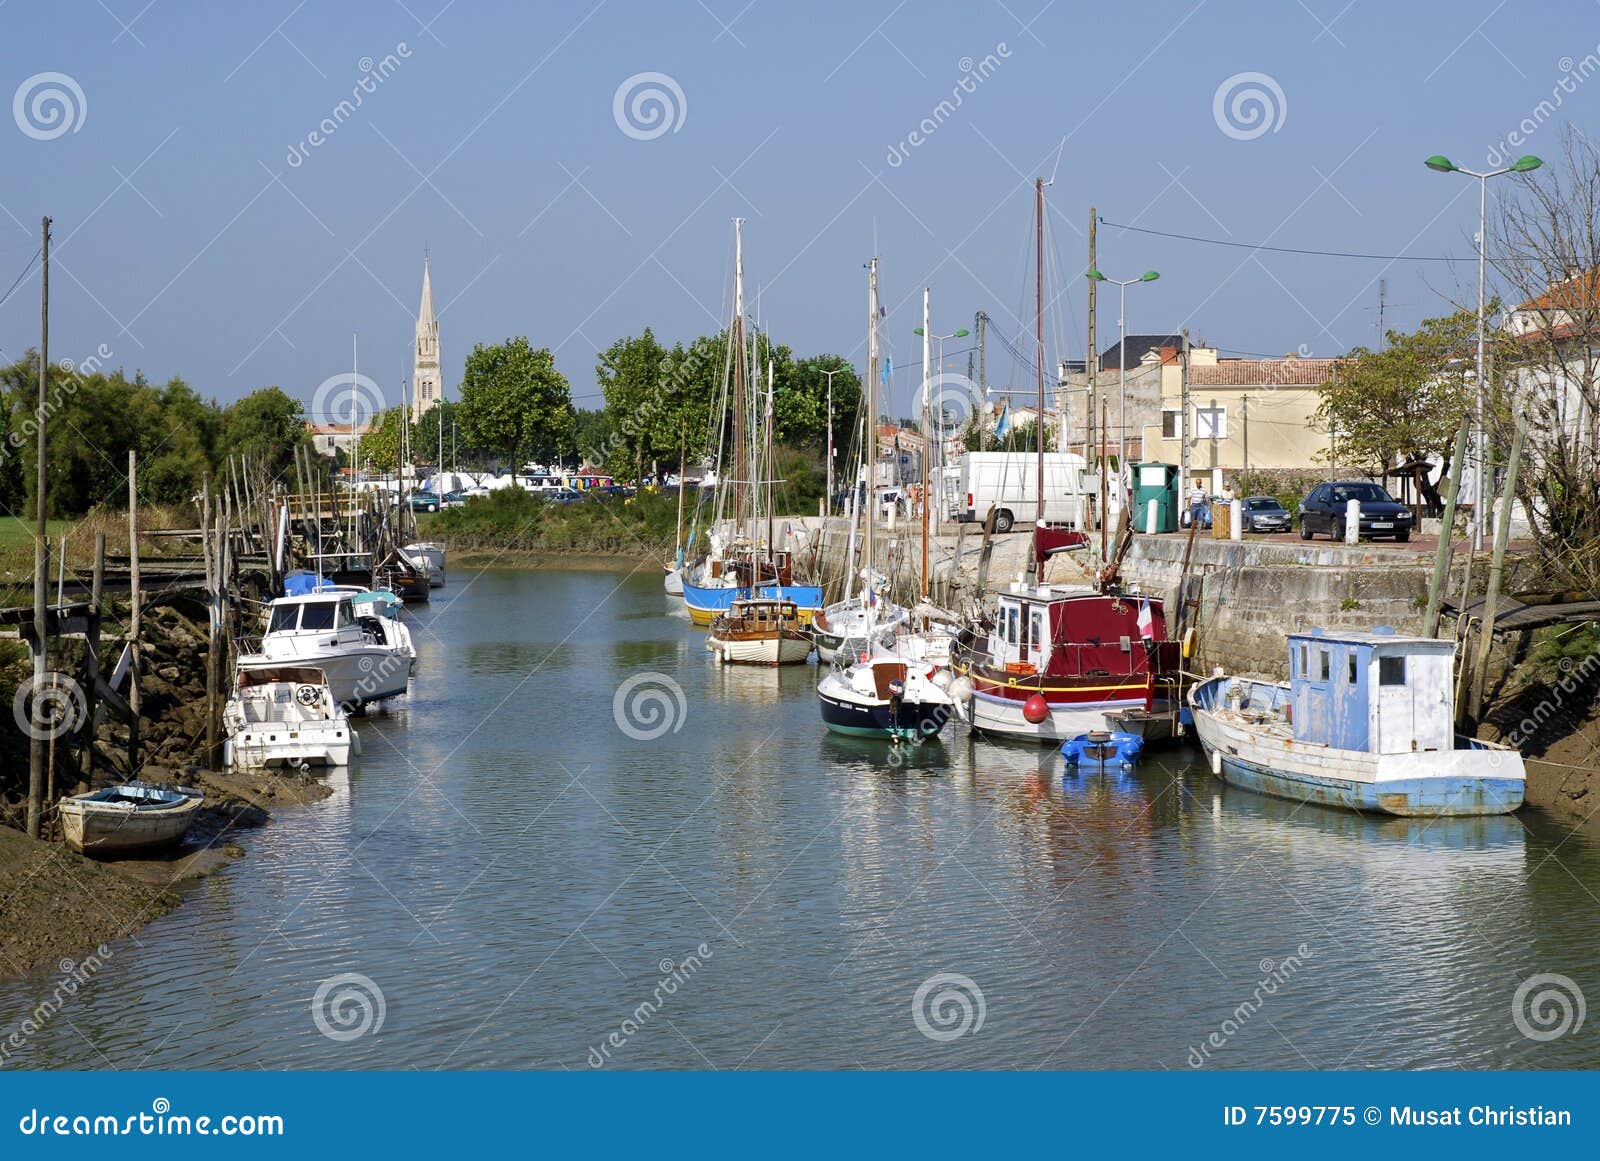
point(311, 614)
point(1078, 634)
point(1376, 692)
point(762, 615)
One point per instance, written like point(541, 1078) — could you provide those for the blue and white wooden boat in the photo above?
point(1366, 722)
point(706, 602)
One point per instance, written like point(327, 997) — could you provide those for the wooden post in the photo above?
point(91, 690)
point(1441, 556)
point(41, 547)
point(135, 616)
point(1502, 534)
point(206, 534)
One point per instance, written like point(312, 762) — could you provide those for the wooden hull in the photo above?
point(705, 604)
point(97, 828)
point(781, 648)
point(1075, 708)
point(1477, 780)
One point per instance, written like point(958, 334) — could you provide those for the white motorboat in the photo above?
point(426, 552)
point(885, 697)
point(286, 716)
point(364, 658)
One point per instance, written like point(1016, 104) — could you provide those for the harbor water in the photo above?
point(579, 843)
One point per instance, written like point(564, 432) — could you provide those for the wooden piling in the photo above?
point(91, 659)
point(1502, 534)
point(1441, 556)
point(135, 615)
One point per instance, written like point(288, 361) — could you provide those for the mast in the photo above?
point(927, 434)
point(772, 544)
point(736, 339)
point(1038, 418)
point(869, 445)
point(683, 458)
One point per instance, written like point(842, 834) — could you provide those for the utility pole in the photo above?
point(1091, 353)
point(41, 552)
point(1183, 415)
point(1245, 419)
point(830, 375)
point(983, 377)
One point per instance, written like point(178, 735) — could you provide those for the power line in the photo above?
point(1282, 249)
point(20, 277)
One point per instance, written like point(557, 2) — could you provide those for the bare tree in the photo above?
point(1544, 242)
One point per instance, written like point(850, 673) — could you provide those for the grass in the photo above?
point(512, 520)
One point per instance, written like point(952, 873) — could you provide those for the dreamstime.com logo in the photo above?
point(1548, 1006)
point(49, 105)
point(48, 706)
point(1249, 105)
point(649, 105)
point(348, 1006)
point(649, 705)
point(346, 399)
point(948, 1006)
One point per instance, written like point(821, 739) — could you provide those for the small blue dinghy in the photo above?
point(1103, 748)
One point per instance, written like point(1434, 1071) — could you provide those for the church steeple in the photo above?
point(426, 385)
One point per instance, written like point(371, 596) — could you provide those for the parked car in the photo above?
point(563, 496)
point(475, 493)
point(608, 492)
point(424, 502)
point(1324, 510)
point(1264, 514)
point(455, 499)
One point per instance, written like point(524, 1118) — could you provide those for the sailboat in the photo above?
point(1050, 661)
point(851, 618)
point(740, 564)
point(885, 696)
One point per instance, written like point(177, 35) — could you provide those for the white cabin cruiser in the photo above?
point(366, 658)
point(286, 715)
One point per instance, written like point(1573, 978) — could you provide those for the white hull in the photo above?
point(433, 556)
point(997, 715)
point(1485, 779)
point(356, 675)
point(272, 745)
point(673, 583)
point(775, 650)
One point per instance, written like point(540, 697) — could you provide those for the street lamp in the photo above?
point(960, 334)
point(1441, 164)
point(1122, 358)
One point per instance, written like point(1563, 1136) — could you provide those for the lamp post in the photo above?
point(927, 378)
point(1122, 358)
point(1441, 164)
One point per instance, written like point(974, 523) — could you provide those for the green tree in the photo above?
point(630, 374)
point(425, 433)
point(1404, 403)
point(515, 404)
point(801, 407)
point(380, 447)
point(266, 425)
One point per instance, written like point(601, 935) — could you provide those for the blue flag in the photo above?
point(1003, 424)
point(888, 369)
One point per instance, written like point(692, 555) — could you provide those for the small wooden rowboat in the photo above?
point(130, 818)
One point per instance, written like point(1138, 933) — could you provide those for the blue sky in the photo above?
point(188, 244)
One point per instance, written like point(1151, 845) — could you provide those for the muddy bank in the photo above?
point(56, 905)
point(481, 558)
point(1556, 724)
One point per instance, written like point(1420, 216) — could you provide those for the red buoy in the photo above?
point(1035, 709)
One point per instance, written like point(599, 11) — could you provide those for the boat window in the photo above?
point(1304, 669)
point(1027, 630)
point(1350, 673)
point(1041, 636)
point(1013, 618)
point(347, 613)
point(1325, 664)
point(318, 615)
point(283, 617)
point(1391, 671)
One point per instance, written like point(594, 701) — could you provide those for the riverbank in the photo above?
point(511, 522)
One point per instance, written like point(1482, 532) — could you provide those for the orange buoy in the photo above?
point(1035, 709)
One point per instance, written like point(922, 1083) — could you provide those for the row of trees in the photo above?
point(94, 418)
point(660, 402)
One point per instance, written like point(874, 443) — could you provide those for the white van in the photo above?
point(1009, 482)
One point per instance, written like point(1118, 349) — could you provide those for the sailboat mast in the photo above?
point(1038, 416)
point(772, 465)
point(736, 338)
point(869, 445)
point(683, 460)
point(927, 434)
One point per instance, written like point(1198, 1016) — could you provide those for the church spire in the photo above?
point(427, 387)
